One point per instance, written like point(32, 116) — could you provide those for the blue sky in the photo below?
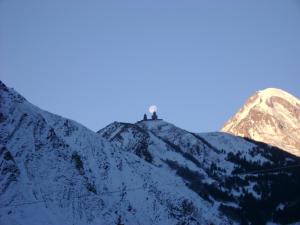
point(102, 61)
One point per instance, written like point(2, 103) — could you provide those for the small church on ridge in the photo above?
point(153, 111)
point(153, 117)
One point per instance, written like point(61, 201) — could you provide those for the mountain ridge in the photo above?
point(271, 116)
point(55, 171)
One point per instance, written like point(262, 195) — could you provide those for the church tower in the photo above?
point(145, 117)
point(154, 116)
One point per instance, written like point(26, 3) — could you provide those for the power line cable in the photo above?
point(269, 170)
point(142, 187)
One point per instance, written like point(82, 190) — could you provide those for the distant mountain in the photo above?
point(55, 171)
point(271, 116)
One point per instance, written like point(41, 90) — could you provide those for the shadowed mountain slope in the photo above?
point(55, 171)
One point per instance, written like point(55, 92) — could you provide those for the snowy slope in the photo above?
point(272, 116)
point(55, 171)
point(216, 166)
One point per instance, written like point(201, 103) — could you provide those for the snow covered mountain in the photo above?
point(234, 175)
point(55, 171)
point(271, 116)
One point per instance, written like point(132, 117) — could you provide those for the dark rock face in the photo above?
point(271, 116)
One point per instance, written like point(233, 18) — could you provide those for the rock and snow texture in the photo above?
point(55, 171)
point(217, 167)
point(271, 116)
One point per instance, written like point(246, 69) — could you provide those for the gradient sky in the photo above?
point(102, 61)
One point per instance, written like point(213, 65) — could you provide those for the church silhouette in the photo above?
point(153, 117)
